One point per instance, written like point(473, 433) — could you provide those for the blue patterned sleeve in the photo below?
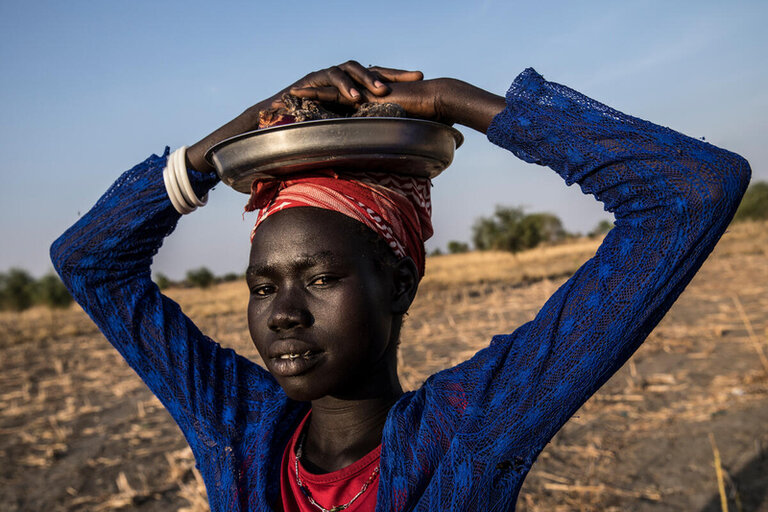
point(104, 260)
point(673, 196)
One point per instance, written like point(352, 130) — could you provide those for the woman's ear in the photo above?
point(405, 277)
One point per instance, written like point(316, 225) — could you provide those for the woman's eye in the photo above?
point(323, 281)
point(262, 290)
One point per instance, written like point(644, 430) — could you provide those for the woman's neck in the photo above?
point(341, 432)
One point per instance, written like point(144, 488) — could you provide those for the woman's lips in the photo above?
point(293, 364)
point(292, 357)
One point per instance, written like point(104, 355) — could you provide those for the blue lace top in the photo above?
point(466, 439)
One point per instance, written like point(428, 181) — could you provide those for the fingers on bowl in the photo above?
point(351, 82)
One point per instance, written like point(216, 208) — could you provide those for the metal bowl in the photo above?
point(402, 146)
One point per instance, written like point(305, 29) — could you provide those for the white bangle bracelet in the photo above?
point(171, 189)
point(182, 177)
point(177, 184)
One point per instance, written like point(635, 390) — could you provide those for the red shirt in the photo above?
point(329, 489)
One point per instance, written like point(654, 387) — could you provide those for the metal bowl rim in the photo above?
point(457, 135)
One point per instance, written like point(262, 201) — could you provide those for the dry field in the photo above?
point(685, 421)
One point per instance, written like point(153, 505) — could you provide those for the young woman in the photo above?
point(328, 426)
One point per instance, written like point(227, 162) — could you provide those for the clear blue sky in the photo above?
point(90, 88)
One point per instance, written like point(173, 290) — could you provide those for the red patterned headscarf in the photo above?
point(397, 208)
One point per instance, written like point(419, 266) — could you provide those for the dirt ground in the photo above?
point(79, 431)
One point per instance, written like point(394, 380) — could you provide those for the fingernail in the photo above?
point(378, 84)
point(353, 92)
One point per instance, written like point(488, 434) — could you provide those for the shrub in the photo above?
point(511, 229)
point(754, 205)
point(162, 281)
point(541, 227)
point(17, 290)
point(231, 276)
point(200, 277)
point(455, 247)
point(51, 292)
point(499, 231)
point(602, 228)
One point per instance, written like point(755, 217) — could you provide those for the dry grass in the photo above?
point(79, 431)
point(510, 269)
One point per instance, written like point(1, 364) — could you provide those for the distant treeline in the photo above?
point(200, 277)
point(512, 229)
point(508, 229)
point(20, 291)
point(754, 206)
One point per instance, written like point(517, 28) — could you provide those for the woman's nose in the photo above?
point(289, 310)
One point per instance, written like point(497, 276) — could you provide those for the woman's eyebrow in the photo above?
point(303, 262)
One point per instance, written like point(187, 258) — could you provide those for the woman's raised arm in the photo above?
point(673, 196)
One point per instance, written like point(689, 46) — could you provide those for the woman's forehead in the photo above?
point(307, 224)
point(298, 261)
point(310, 234)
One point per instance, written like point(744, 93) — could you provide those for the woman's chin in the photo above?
point(299, 389)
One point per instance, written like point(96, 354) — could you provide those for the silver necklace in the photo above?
point(305, 491)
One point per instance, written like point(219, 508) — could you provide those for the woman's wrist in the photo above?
point(463, 103)
point(245, 122)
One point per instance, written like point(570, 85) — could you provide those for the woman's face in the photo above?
point(320, 310)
